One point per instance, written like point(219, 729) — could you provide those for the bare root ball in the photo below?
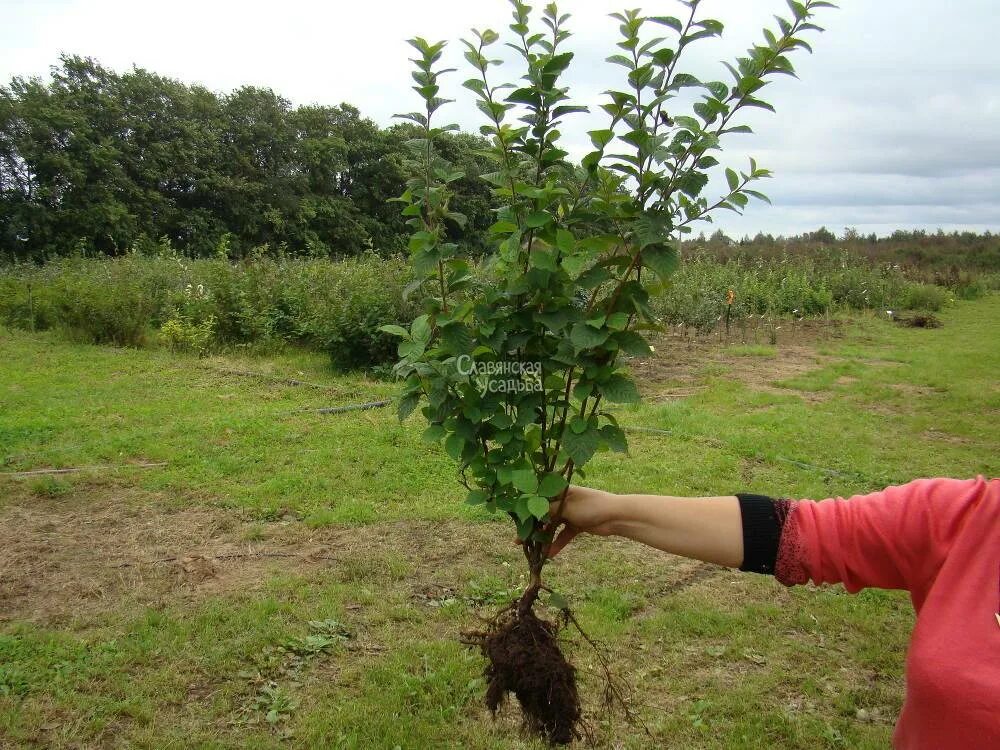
point(524, 658)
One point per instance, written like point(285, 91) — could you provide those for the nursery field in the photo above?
point(232, 568)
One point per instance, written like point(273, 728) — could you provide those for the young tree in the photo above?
point(517, 379)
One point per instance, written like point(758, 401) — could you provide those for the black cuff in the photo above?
point(761, 533)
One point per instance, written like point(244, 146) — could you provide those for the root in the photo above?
point(524, 658)
point(616, 690)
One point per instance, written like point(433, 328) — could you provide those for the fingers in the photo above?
point(564, 537)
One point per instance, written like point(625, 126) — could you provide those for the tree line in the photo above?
point(94, 161)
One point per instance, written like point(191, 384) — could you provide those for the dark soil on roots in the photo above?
point(524, 659)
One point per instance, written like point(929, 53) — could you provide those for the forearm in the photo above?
point(702, 528)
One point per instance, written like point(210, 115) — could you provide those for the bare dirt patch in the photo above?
point(678, 367)
point(73, 557)
point(945, 437)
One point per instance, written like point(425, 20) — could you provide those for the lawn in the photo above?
point(279, 577)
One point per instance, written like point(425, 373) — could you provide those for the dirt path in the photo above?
point(74, 557)
point(681, 361)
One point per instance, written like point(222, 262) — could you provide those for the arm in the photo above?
point(703, 528)
point(896, 538)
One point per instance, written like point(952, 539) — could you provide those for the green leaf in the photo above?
point(718, 89)
point(617, 321)
point(798, 9)
point(457, 338)
point(601, 138)
point(454, 446)
point(619, 389)
point(477, 497)
point(674, 23)
point(433, 434)
point(632, 344)
point(544, 259)
point(568, 109)
point(593, 277)
point(525, 527)
point(420, 329)
point(554, 321)
point(528, 96)
point(662, 259)
point(582, 446)
point(395, 331)
point(407, 405)
point(538, 506)
point(732, 178)
point(615, 438)
point(664, 56)
point(503, 227)
point(586, 337)
point(557, 64)
point(521, 509)
point(651, 229)
point(552, 484)
point(524, 480)
point(626, 62)
point(751, 102)
point(538, 219)
point(756, 194)
point(565, 241)
point(692, 183)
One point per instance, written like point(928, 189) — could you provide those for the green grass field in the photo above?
point(296, 579)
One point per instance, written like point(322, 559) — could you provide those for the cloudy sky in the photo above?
point(894, 122)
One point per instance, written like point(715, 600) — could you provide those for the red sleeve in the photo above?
point(895, 539)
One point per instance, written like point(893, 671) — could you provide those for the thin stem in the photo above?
point(497, 123)
point(740, 101)
point(429, 221)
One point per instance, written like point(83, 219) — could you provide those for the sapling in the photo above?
point(516, 376)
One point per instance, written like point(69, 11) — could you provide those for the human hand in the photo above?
point(583, 509)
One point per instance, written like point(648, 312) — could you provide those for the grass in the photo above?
point(111, 632)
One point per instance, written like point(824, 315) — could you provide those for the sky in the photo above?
point(894, 121)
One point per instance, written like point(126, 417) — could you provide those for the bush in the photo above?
point(182, 335)
point(109, 302)
point(925, 297)
point(338, 307)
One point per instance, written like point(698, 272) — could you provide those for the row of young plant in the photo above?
point(338, 306)
point(795, 286)
point(212, 304)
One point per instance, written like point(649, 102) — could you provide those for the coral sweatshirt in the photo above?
point(939, 539)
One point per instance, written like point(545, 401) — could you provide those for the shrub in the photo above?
point(581, 248)
point(182, 335)
point(924, 297)
point(269, 301)
point(109, 302)
point(340, 308)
